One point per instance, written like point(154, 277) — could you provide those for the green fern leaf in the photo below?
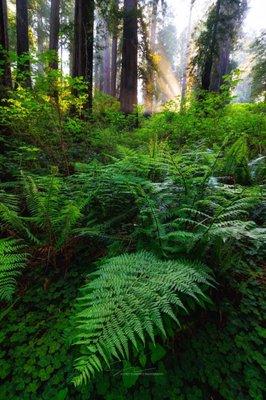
point(12, 261)
point(126, 302)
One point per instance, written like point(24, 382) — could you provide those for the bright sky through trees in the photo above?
point(255, 20)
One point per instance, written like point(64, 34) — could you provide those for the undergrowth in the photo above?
point(161, 222)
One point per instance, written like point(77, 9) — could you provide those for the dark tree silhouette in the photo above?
point(217, 41)
point(128, 89)
point(23, 66)
point(114, 50)
point(54, 32)
point(5, 72)
point(83, 44)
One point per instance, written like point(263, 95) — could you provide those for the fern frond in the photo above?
point(12, 261)
point(125, 302)
point(10, 219)
point(67, 219)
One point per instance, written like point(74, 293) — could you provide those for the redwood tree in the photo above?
point(114, 50)
point(83, 44)
point(114, 65)
point(5, 72)
point(23, 65)
point(107, 62)
point(216, 42)
point(54, 32)
point(129, 80)
point(149, 81)
point(187, 55)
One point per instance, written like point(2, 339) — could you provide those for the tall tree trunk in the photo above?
point(129, 79)
point(187, 56)
point(114, 49)
point(150, 79)
point(107, 64)
point(98, 52)
point(5, 74)
point(227, 21)
point(23, 65)
point(54, 32)
point(41, 32)
point(71, 56)
point(231, 15)
point(114, 65)
point(83, 44)
point(206, 76)
point(40, 38)
point(101, 72)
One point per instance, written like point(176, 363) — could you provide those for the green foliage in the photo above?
point(221, 217)
point(52, 213)
point(34, 356)
point(258, 73)
point(133, 293)
point(236, 161)
point(12, 261)
point(181, 186)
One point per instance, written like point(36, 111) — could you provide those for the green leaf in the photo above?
point(61, 395)
point(143, 360)
point(130, 374)
point(157, 353)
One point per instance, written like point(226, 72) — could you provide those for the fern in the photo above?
point(214, 217)
point(125, 302)
point(51, 214)
point(12, 261)
point(236, 161)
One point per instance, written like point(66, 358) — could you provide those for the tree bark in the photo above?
point(114, 65)
point(23, 64)
point(129, 80)
point(227, 21)
point(206, 76)
point(5, 74)
point(150, 79)
point(40, 38)
point(187, 57)
point(83, 44)
point(114, 48)
point(54, 32)
point(107, 64)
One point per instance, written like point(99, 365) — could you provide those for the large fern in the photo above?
point(12, 261)
point(50, 214)
point(125, 302)
point(223, 215)
point(236, 161)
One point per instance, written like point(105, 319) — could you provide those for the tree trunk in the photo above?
point(71, 56)
point(23, 65)
point(229, 20)
point(83, 44)
point(129, 79)
point(54, 32)
point(40, 38)
point(150, 79)
point(5, 74)
point(114, 55)
point(187, 57)
point(206, 76)
point(107, 64)
point(114, 65)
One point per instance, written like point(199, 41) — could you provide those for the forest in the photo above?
point(132, 200)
